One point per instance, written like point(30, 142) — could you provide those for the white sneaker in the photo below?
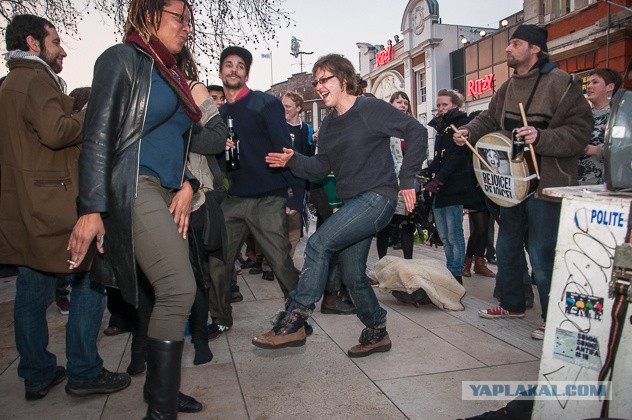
point(539, 333)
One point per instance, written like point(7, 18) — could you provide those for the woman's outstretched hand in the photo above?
point(279, 160)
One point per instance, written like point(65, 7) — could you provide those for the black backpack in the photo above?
point(424, 221)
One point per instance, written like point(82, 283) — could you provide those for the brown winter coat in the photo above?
point(558, 110)
point(39, 152)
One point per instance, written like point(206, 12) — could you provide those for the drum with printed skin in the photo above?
point(618, 142)
point(511, 182)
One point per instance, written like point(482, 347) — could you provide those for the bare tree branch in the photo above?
point(218, 23)
point(62, 13)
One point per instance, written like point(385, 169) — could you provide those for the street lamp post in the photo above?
point(295, 46)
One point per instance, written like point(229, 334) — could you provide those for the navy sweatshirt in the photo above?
point(356, 147)
point(259, 121)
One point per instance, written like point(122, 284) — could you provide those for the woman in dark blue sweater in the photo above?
point(354, 144)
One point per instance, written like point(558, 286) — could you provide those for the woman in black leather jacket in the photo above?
point(133, 184)
point(450, 186)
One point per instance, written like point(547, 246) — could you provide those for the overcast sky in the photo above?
point(325, 26)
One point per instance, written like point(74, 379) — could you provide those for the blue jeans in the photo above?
point(449, 221)
point(538, 220)
point(347, 232)
point(35, 291)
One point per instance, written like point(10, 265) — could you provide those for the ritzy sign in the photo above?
point(384, 56)
point(478, 87)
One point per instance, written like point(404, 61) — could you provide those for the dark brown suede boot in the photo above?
point(467, 267)
point(480, 267)
point(372, 340)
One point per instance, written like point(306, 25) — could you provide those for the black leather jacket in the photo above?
point(108, 165)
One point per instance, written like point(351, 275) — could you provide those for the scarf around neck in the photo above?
point(168, 70)
point(25, 55)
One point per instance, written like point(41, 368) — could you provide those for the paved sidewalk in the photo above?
point(420, 378)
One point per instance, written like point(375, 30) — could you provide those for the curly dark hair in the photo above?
point(22, 26)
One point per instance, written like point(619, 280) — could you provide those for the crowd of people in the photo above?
point(124, 187)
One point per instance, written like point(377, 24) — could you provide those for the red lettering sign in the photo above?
point(477, 87)
point(384, 56)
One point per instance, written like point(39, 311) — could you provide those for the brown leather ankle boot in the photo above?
point(467, 267)
point(480, 267)
point(289, 331)
point(372, 340)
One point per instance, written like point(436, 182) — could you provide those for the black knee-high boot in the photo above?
point(162, 382)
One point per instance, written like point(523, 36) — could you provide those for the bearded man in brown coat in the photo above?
point(39, 152)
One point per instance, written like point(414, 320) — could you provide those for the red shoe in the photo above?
point(63, 305)
point(499, 312)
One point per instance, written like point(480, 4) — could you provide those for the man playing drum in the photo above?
point(558, 128)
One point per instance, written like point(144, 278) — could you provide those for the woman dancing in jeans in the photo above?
point(354, 144)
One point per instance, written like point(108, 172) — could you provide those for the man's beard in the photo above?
point(513, 62)
point(233, 84)
point(51, 61)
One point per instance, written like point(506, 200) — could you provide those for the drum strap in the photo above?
point(535, 87)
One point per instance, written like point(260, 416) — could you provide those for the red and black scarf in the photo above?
point(168, 70)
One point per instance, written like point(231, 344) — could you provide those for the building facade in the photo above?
point(582, 35)
point(418, 62)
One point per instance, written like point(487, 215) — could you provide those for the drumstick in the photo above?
point(533, 159)
point(456, 130)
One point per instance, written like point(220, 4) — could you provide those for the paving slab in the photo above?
point(482, 346)
point(415, 350)
point(516, 332)
point(313, 381)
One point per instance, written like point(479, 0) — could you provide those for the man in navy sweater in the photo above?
point(257, 199)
